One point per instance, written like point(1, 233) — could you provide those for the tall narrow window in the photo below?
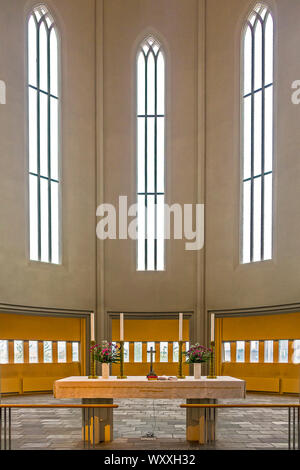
point(150, 156)
point(283, 350)
point(43, 136)
point(254, 351)
point(240, 351)
point(268, 351)
point(226, 352)
point(257, 136)
point(33, 352)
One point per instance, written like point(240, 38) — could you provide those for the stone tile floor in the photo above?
point(236, 428)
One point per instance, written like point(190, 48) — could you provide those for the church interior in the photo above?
point(149, 281)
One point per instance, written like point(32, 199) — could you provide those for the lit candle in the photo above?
point(212, 327)
point(92, 327)
point(121, 326)
point(180, 326)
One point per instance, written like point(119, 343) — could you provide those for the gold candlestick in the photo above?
point(212, 374)
point(180, 371)
point(122, 376)
point(92, 362)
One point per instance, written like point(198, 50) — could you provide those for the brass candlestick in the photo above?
point(92, 362)
point(180, 371)
point(212, 373)
point(122, 376)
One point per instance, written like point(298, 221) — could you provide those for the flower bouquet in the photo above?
point(106, 353)
point(196, 355)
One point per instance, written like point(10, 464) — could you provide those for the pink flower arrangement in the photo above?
point(106, 352)
point(197, 353)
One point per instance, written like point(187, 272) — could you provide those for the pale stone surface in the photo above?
point(140, 387)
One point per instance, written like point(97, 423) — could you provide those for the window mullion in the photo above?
point(155, 166)
point(146, 161)
point(262, 243)
point(252, 148)
point(49, 153)
point(38, 143)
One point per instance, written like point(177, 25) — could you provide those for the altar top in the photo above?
point(141, 387)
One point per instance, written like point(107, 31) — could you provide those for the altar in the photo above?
point(202, 391)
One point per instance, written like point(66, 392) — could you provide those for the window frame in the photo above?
point(146, 193)
point(241, 147)
point(55, 25)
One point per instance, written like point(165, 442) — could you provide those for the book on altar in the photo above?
point(165, 377)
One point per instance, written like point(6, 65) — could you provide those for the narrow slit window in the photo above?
point(48, 355)
point(240, 351)
point(296, 356)
point(61, 351)
point(164, 347)
point(75, 351)
point(138, 348)
point(33, 352)
point(283, 350)
point(126, 351)
point(268, 351)
point(254, 351)
point(257, 135)
point(150, 344)
point(226, 352)
point(18, 352)
point(4, 359)
point(150, 156)
point(175, 351)
point(43, 137)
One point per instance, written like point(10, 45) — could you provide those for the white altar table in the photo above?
point(193, 391)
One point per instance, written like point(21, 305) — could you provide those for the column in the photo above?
point(200, 422)
point(103, 420)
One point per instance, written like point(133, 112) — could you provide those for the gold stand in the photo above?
point(180, 371)
point(122, 376)
point(92, 363)
point(212, 362)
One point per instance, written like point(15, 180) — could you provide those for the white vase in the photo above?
point(105, 370)
point(197, 370)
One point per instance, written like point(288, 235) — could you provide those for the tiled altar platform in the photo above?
point(237, 428)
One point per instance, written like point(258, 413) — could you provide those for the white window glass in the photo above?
point(138, 355)
point(43, 137)
point(226, 352)
point(18, 352)
point(150, 156)
point(254, 351)
point(126, 351)
point(268, 351)
point(163, 347)
point(61, 351)
point(75, 351)
point(48, 351)
point(257, 136)
point(175, 351)
point(296, 357)
point(4, 351)
point(33, 352)
point(150, 344)
point(283, 350)
point(240, 351)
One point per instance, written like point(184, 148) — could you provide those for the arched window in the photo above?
point(43, 136)
point(257, 135)
point(150, 155)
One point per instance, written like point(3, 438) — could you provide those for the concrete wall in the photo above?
point(99, 43)
point(228, 283)
point(71, 285)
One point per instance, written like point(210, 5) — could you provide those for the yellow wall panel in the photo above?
point(39, 328)
point(150, 330)
point(285, 326)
